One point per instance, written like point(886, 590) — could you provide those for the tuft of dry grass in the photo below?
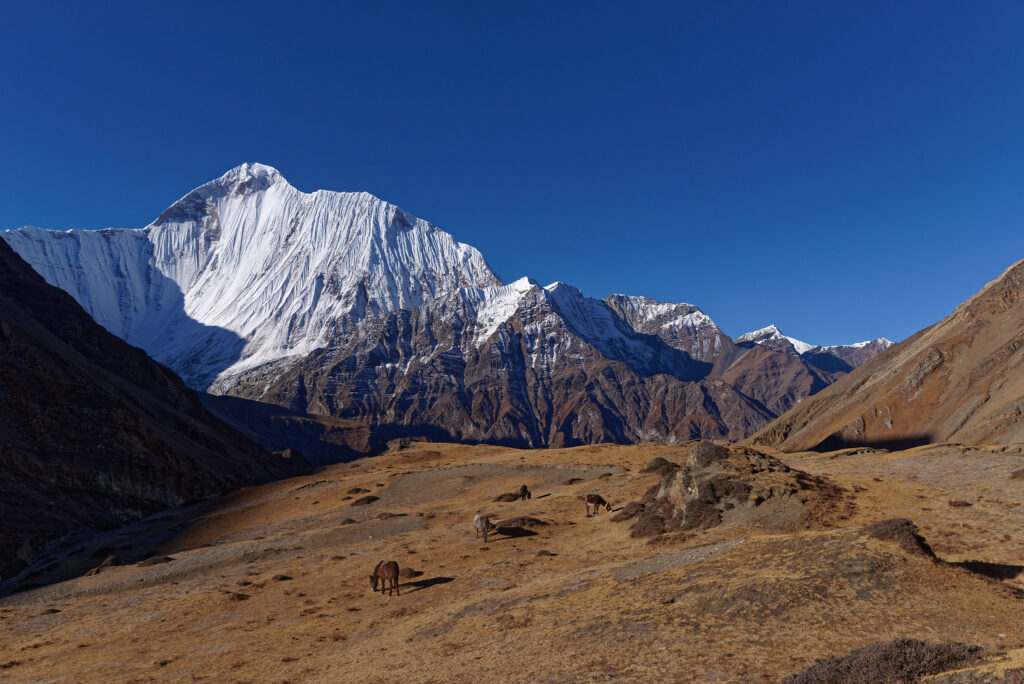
point(903, 532)
point(901, 660)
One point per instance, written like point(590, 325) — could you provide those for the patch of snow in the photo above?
point(772, 333)
point(493, 306)
point(801, 347)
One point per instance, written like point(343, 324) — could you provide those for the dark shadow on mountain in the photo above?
point(94, 434)
point(211, 350)
point(77, 554)
point(322, 440)
point(999, 571)
point(835, 443)
point(830, 363)
point(164, 319)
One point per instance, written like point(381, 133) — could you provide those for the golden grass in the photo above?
point(753, 609)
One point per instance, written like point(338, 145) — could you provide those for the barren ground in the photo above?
point(271, 583)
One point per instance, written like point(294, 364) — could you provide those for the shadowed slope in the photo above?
point(93, 433)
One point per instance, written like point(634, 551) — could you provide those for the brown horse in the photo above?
point(524, 493)
point(595, 500)
point(385, 572)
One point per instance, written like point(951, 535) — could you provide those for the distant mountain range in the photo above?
point(343, 305)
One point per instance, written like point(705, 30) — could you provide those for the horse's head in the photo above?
point(373, 583)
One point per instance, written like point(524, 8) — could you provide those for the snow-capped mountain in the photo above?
point(853, 355)
point(342, 304)
point(682, 326)
point(773, 338)
point(247, 270)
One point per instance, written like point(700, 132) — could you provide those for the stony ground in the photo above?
point(271, 584)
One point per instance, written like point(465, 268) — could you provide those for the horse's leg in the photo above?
point(398, 592)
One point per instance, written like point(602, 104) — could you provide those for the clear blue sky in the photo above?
point(846, 170)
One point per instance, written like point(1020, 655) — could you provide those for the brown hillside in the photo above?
point(958, 380)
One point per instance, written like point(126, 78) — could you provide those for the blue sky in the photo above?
point(844, 170)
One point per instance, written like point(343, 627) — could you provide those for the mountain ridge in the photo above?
point(244, 280)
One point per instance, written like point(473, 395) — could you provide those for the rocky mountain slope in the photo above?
point(93, 433)
point(958, 380)
point(342, 305)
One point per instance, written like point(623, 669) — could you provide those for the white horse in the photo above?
point(481, 525)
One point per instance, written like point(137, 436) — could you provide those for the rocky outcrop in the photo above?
point(93, 433)
point(720, 485)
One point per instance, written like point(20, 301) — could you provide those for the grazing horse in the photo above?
point(481, 524)
point(524, 493)
point(385, 572)
point(595, 500)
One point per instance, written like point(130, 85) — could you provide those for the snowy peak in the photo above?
point(492, 306)
point(246, 177)
point(247, 270)
point(879, 341)
point(680, 325)
point(851, 355)
point(773, 338)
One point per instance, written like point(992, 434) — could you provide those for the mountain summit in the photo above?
point(341, 304)
point(246, 270)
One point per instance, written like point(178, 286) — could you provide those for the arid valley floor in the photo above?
point(270, 584)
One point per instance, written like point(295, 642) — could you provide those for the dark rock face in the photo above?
point(93, 433)
point(534, 383)
point(722, 484)
point(319, 439)
point(777, 380)
point(543, 378)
